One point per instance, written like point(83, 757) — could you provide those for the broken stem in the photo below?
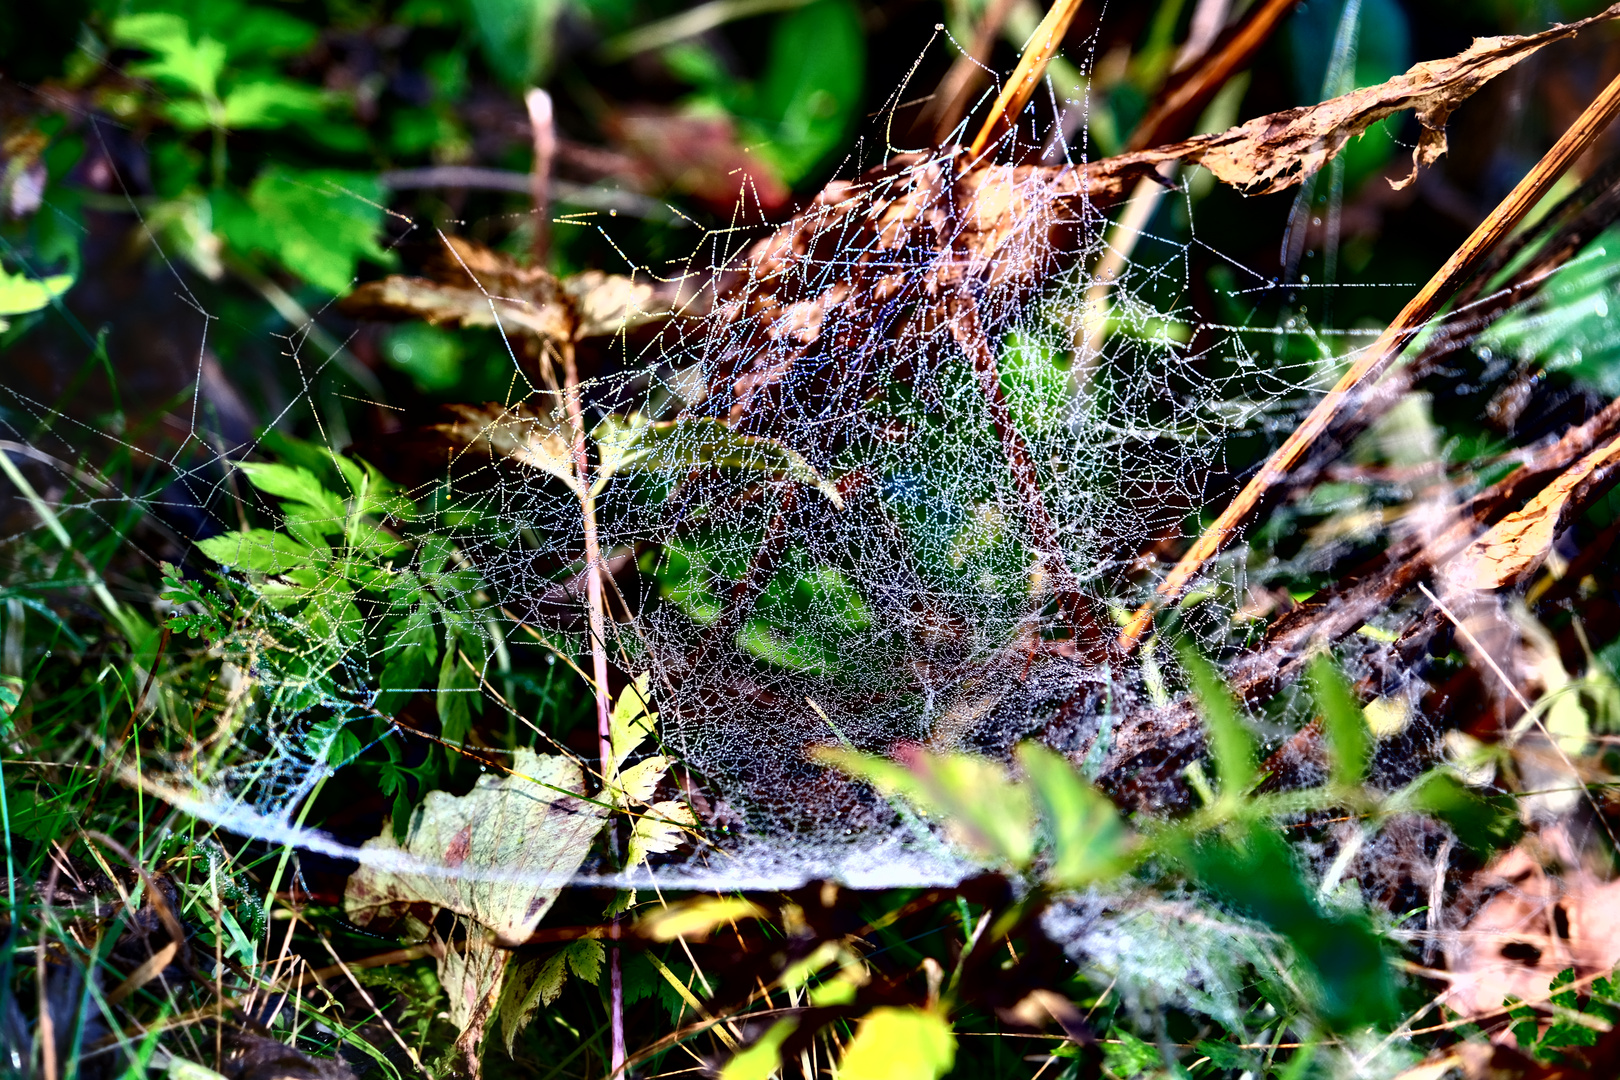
point(969, 333)
point(1384, 352)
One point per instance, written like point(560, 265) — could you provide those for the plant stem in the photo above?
point(599, 670)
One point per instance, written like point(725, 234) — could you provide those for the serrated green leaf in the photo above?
point(318, 224)
point(180, 60)
point(294, 483)
point(260, 550)
point(270, 102)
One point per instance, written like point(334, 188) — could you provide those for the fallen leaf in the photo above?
point(497, 856)
point(1515, 547)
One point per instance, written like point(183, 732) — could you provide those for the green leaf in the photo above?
point(260, 550)
point(761, 1058)
point(980, 806)
point(1480, 825)
point(899, 1044)
point(1088, 839)
point(539, 982)
point(11, 692)
point(1254, 871)
point(179, 60)
point(809, 95)
point(457, 695)
point(1125, 1056)
point(272, 102)
point(517, 37)
point(20, 294)
point(297, 484)
point(318, 224)
point(1348, 738)
point(1229, 737)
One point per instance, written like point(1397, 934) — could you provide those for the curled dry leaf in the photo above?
point(476, 287)
point(1534, 927)
point(1274, 152)
point(527, 436)
point(1515, 547)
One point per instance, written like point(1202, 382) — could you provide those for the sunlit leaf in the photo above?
point(259, 550)
point(697, 919)
point(20, 294)
point(318, 224)
point(761, 1058)
point(661, 829)
point(899, 1044)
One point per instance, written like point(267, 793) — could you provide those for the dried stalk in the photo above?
point(1372, 364)
point(1185, 96)
point(1021, 84)
point(951, 97)
point(1154, 746)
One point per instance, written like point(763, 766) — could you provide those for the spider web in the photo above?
point(892, 582)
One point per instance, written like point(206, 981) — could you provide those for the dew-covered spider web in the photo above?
point(891, 473)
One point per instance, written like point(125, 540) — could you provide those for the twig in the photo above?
point(969, 334)
point(1373, 363)
point(545, 148)
point(1042, 46)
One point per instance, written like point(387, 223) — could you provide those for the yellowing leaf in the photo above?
point(20, 294)
point(498, 855)
point(637, 783)
point(631, 721)
point(979, 805)
point(662, 828)
point(535, 440)
point(1515, 547)
point(696, 919)
point(899, 1044)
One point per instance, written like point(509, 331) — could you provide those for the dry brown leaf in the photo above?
point(470, 285)
point(1531, 930)
point(1515, 547)
point(527, 436)
point(1274, 152)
